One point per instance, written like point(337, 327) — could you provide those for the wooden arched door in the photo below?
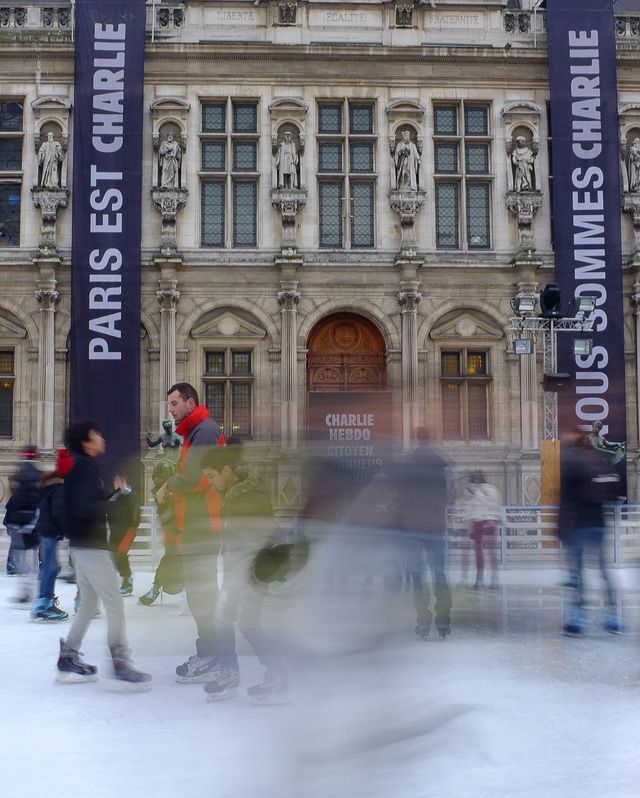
point(346, 352)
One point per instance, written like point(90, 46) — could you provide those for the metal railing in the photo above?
point(526, 538)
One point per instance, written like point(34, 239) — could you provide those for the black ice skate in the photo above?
point(72, 668)
point(273, 689)
point(224, 685)
point(126, 677)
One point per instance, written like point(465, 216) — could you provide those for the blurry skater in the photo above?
point(197, 513)
point(585, 485)
point(422, 523)
point(51, 527)
point(86, 505)
point(483, 510)
point(250, 566)
point(123, 515)
point(20, 519)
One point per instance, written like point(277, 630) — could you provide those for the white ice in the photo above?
point(503, 708)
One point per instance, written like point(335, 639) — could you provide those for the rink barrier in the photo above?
point(526, 538)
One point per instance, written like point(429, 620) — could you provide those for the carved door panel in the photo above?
point(346, 353)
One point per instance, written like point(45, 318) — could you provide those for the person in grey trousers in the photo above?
point(86, 508)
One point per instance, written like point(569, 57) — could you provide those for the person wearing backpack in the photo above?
point(51, 528)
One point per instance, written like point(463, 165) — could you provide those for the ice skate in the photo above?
point(72, 668)
point(272, 690)
point(126, 588)
point(149, 597)
point(575, 626)
point(126, 677)
point(614, 625)
point(197, 670)
point(223, 684)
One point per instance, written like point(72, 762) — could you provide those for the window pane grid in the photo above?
point(331, 194)
point(213, 213)
point(10, 117)
point(447, 215)
point(477, 411)
point(445, 120)
point(244, 213)
point(241, 408)
point(214, 400)
point(362, 221)
point(245, 118)
point(361, 157)
point(476, 120)
point(241, 364)
point(451, 410)
point(361, 119)
point(330, 118)
point(245, 156)
point(450, 364)
point(478, 215)
point(446, 158)
point(214, 156)
point(477, 159)
point(476, 364)
point(215, 363)
point(10, 155)
point(214, 118)
point(330, 157)
point(10, 214)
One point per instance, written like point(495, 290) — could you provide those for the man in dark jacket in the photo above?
point(252, 561)
point(86, 506)
point(51, 527)
point(585, 484)
point(197, 513)
point(20, 518)
point(422, 523)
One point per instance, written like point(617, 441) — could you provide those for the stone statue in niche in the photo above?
point(406, 159)
point(523, 160)
point(633, 165)
point(170, 154)
point(50, 156)
point(287, 163)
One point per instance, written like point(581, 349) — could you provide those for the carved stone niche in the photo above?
point(406, 197)
point(522, 118)
point(629, 116)
point(51, 115)
point(169, 115)
point(288, 114)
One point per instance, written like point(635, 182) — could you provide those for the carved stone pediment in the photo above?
point(469, 325)
point(11, 328)
point(225, 323)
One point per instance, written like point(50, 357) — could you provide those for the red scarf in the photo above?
point(212, 498)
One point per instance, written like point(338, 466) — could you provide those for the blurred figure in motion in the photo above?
point(483, 510)
point(585, 484)
point(197, 518)
point(124, 519)
point(51, 528)
point(253, 561)
point(97, 578)
point(20, 520)
point(422, 523)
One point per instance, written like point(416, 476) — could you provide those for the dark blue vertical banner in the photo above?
point(586, 202)
point(107, 177)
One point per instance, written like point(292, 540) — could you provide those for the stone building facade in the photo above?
point(337, 195)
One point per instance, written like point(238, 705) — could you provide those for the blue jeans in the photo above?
point(49, 566)
point(579, 541)
point(422, 550)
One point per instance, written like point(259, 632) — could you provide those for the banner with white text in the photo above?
point(586, 205)
point(107, 185)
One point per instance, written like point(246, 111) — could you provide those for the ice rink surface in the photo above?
point(506, 707)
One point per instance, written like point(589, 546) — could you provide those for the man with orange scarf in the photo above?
point(197, 512)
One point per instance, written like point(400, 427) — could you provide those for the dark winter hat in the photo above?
point(64, 462)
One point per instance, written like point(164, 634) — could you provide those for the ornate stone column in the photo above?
point(288, 201)
point(168, 297)
point(524, 206)
point(529, 385)
point(49, 200)
point(409, 298)
point(407, 204)
point(47, 297)
point(635, 299)
point(288, 299)
point(169, 201)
